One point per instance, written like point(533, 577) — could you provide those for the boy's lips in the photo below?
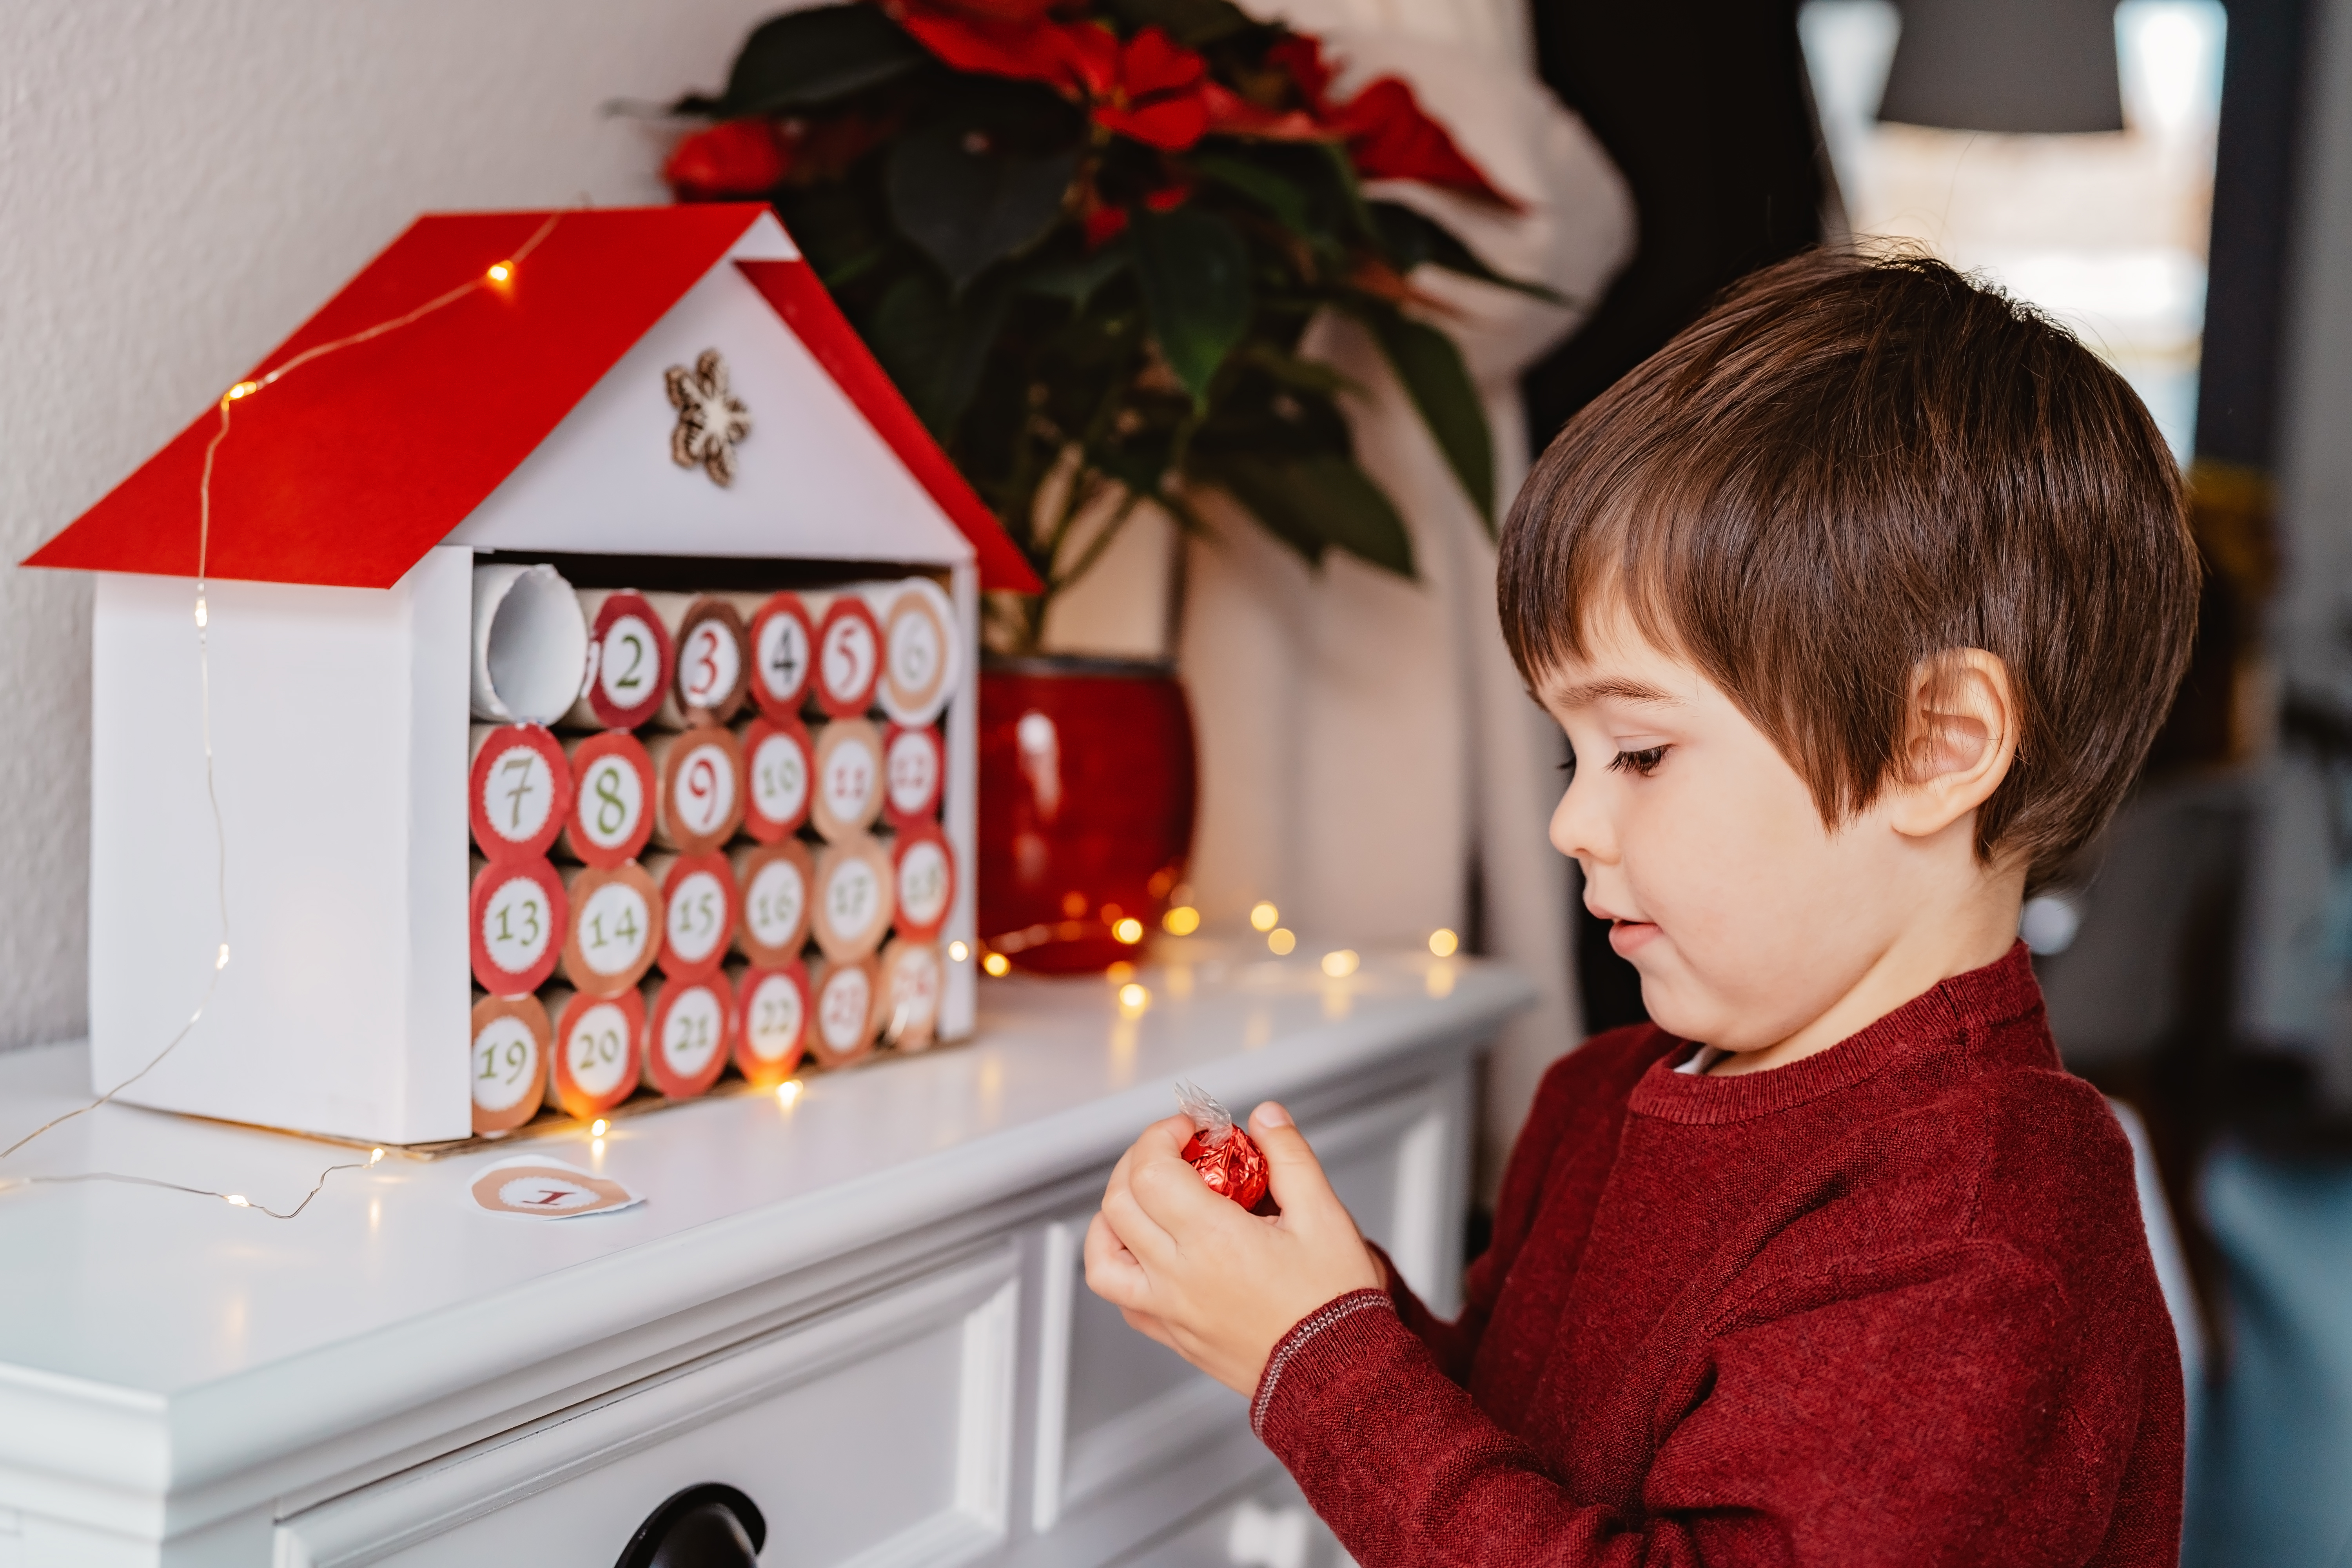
point(1625, 936)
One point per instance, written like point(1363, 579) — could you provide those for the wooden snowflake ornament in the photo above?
point(710, 419)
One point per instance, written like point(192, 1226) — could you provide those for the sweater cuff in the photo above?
point(1308, 1349)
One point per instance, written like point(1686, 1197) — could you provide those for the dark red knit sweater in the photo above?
point(1890, 1304)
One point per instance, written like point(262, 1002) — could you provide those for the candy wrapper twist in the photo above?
point(1228, 1159)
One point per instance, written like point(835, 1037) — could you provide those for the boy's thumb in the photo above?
point(1293, 1173)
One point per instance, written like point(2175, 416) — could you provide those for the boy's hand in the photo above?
point(1219, 1286)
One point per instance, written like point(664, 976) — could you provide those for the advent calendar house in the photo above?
point(521, 403)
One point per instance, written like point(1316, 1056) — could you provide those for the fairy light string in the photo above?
point(496, 275)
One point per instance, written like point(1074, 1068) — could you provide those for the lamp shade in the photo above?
point(2017, 66)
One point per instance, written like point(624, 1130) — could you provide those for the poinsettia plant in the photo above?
point(1086, 238)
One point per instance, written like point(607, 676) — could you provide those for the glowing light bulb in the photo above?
point(1129, 930)
point(242, 389)
point(1133, 998)
point(1280, 940)
point(788, 1091)
point(1443, 943)
point(596, 1128)
point(1340, 964)
point(237, 1199)
point(1265, 917)
point(500, 272)
point(1181, 921)
point(204, 615)
point(997, 964)
point(958, 952)
point(222, 961)
point(375, 1156)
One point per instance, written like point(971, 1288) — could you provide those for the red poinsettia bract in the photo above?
point(734, 158)
point(1389, 135)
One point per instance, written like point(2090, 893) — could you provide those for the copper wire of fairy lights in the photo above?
point(499, 273)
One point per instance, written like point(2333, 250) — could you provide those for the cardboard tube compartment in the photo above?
point(711, 661)
point(783, 641)
point(518, 909)
point(914, 773)
point(774, 885)
point(687, 1027)
point(698, 788)
point(615, 927)
point(919, 662)
point(629, 661)
point(922, 882)
point(853, 894)
point(510, 1061)
point(907, 988)
point(779, 761)
point(699, 912)
point(841, 1011)
point(530, 645)
point(772, 1020)
point(849, 658)
point(597, 1040)
point(519, 789)
point(612, 811)
point(845, 794)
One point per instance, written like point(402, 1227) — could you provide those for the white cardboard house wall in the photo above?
point(339, 731)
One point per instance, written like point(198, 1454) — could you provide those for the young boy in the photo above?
point(1859, 604)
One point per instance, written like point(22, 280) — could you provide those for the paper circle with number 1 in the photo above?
point(778, 764)
point(615, 928)
point(612, 813)
point(510, 1061)
point(517, 910)
point(532, 1186)
point(783, 649)
point(521, 787)
point(688, 1026)
point(849, 658)
point(594, 1055)
point(771, 1016)
point(921, 659)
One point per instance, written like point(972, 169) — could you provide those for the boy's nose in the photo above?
point(1579, 830)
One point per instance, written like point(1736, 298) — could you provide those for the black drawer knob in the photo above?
point(709, 1526)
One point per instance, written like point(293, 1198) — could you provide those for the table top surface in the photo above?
point(127, 1288)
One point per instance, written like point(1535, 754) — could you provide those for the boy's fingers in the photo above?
point(1112, 1271)
point(1137, 1230)
point(1293, 1173)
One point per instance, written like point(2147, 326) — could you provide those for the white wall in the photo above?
point(180, 184)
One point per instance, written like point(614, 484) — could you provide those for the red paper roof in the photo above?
point(348, 470)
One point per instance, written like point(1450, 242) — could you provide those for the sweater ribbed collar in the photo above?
point(1966, 1014)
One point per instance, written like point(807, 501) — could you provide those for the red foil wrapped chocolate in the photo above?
point(1228, 1159)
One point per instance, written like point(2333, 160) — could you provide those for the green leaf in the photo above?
point(934, 345)
point(1195, 24)
point(804, 58)
point(1317, 502)
point(1260, 185)
point(967, 200)
point(1194, 273)
point(1430, 367)
point(1076, 278)
point(1412, 239)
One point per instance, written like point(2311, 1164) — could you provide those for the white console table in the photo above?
point(863, 1309)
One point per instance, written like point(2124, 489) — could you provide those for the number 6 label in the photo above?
point(510, 1061)
point(519, 909)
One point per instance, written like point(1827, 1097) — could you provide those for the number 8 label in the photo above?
point(610, 816)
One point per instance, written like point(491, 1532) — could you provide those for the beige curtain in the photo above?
point(1364, 739)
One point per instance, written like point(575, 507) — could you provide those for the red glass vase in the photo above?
point(1086, 789)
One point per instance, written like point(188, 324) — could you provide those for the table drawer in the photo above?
point(877, 1434)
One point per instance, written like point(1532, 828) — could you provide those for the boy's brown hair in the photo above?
point(1845, 467)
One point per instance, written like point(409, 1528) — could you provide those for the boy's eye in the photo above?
point(1644, 761)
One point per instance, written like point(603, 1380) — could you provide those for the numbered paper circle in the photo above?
point(506, 1063)
point(843, 1008)
point(923, 884)
point(772, 1018)
point(774, 903)
point(779, 778)
point(696, 916)
point(782, 657)
point(611, 802)
point(853, 898)
point(920, 657)
point(628, 663)
point(849, 772)
point(912, 772)
point(615, 925)
point(706, 791)
point(847, 662)
point(518, 793)
point(710, 665)
point(516, 925)
point(693, 1027)
point(547, 1194)
point(596, 1049)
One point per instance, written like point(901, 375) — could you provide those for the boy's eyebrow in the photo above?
point(1584, 693)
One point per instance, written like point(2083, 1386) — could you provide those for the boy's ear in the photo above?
point(1959, 738)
